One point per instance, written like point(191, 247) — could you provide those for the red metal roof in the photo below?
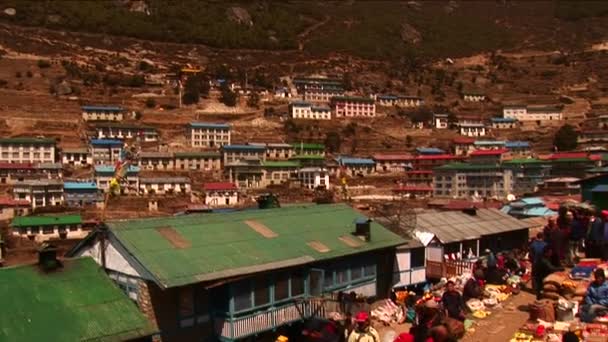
point(392, 156)
point(405, 188)
point(464, 141)
point(16, 166)
point(568, 155)
point(495, 152)
point(219, 186)
point(437, 157)
point(8, 201)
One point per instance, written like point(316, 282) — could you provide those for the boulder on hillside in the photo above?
point(409, 34)
point(239, 15)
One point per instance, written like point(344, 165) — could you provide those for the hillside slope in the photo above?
point(368, 29)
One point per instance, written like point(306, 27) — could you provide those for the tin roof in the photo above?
point(75, 303)
point(106, 142)
point(32, 221)
point(219, 186)
point(164, 180)
point(392, 156)
point(28, 140)
point(243, 148)
point(101, 108)
point(429, 150)
point(176, 251)
point(209, 125)
point(79, 186)
point(496, 152)
point(355, 161)
point(453, 226)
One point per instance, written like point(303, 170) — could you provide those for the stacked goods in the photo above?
point(552, 285)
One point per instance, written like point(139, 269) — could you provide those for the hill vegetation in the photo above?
point(369, 29)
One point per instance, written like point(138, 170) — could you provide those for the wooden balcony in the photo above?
point(239, 327)
point(448, 268)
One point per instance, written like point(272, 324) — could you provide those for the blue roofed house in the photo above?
point(356, 166)
point(106, 151)
point(429, 151)
point(206, 134)
point(504, 123)
point(102, 113)
point(104, 173)
point(520, 148)
point(242, 275)
point(528, 207)
point(399, 100)
point(79, 194)
point(488, 144)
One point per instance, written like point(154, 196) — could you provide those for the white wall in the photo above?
point(114, 260)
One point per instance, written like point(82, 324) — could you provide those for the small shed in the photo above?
point(466, 234)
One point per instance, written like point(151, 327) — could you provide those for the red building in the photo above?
point(347, 106)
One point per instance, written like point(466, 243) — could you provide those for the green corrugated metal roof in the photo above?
point(280, 163)
point(308, 146)
point(216, 246)
point(31, 221)
point(27, 140)
point(571, 160)
point(308, 157)
point(525, 161)
point(75, 303)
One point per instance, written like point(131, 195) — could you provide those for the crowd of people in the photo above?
point(562, 242)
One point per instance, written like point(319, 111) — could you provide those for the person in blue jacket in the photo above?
point(596, 299)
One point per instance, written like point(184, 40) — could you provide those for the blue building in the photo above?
point(528, 207)
point(78, 194)
point(356, 166)
point(425, 151)
point(518, 147)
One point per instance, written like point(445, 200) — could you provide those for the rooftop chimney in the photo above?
point(47, 258)
point(362, 229)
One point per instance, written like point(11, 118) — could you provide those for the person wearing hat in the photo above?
point(363, 332)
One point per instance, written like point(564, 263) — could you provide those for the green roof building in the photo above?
point(45, 228)
point(239, 274)
point(76, 302)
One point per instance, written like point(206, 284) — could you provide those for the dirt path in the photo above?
point(503, 323)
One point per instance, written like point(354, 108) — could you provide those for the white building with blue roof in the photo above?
point(79, 194)
point(102, 113)
point(504, 123)
point(307, 111)
point(518, 147)
point(105, 173)
point(356, 166)
point(105, 151)
point(207, 134)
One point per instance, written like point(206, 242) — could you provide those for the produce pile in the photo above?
point(559, 285)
